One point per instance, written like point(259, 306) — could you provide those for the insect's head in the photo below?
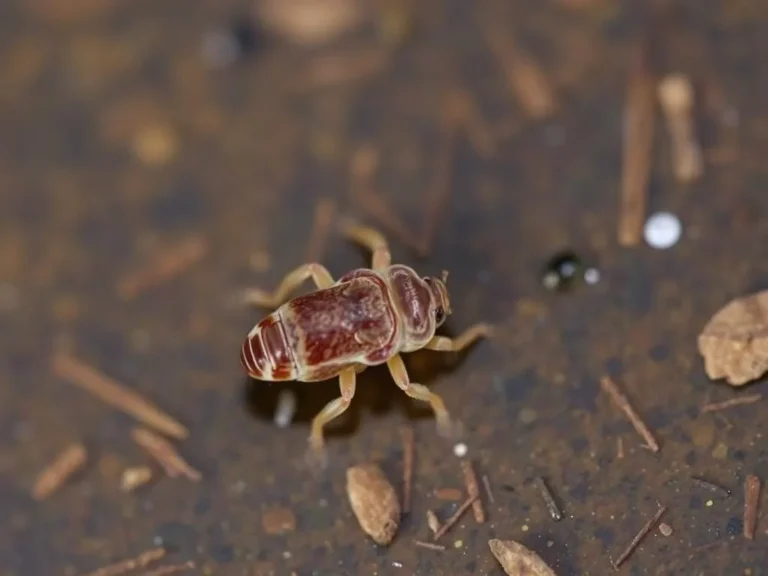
point(441, 306)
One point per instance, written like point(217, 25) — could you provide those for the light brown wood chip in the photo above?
point(734, 343)
point(374, 502)
point(69, 461)
point(517, 560)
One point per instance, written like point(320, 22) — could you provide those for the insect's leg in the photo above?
point(445, 426)
point(332, 410)
point(445, 344)
point(290, 282)
point(371, 239)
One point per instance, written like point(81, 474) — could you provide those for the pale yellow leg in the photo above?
point(445, 344)
point(290, 282)
point(371, 239)
point(420, 392)
point(332, 410)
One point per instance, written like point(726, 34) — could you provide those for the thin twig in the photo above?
point(470, 480)
point(429, 545)
point(621, 401)
point(751, 502)
point(549, 500)
point(408, 450)
point(53, 476)
point(487, 485)
point(141, 561)
point(442, 175)
point(640, 535)
point(164, 453)
point(166, 265)
point(715, 406)
point(711, 486)
point(111, 392)
point(168, 570)
point(433, 522)
point(455, 518)
point(325, 208)
point(638, 130)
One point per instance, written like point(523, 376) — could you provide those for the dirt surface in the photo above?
point(118, 142)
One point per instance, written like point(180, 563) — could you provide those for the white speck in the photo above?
point(219, 49)
point(286, 555)
point(460, 450)
point(157, 541)
point(397, 564)
point(592, 276)
point(663, 230)
point(286, 408)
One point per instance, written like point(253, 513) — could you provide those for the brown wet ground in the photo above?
point(240, 156)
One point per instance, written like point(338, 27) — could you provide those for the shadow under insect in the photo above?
point(376, 392)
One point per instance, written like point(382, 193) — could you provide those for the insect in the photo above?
point(367, 317)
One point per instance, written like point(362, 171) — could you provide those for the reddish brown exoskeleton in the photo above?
point(366, 317)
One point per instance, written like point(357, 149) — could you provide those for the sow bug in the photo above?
point(367, 317)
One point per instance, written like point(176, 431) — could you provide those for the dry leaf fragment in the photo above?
point(517, 560)
point(374, 502)
point(734, 343)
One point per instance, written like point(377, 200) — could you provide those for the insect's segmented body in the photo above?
point(366, 317)
point(363, 320)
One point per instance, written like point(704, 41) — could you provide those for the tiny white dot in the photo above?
point(460, 449)
point(592, 276)
point(663, 230)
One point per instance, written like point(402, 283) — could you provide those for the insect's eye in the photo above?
point(439, 313)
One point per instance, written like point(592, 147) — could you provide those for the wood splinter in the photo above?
point(69, 461)
point(639, 537)
point(473, 489)
point(455, 518)
point(638, 133)
point(621, 401)
point(676, 98)
point(165, 454)
point(143, 560)
point(751, 502)
point(116, 395)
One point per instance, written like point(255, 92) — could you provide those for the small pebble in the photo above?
point(460, 450)
point(458, 544)
point(665, 529)
point(592, 276)
point(662, 230)
point(709, 503)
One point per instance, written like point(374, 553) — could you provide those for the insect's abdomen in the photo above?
point(266, 353)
